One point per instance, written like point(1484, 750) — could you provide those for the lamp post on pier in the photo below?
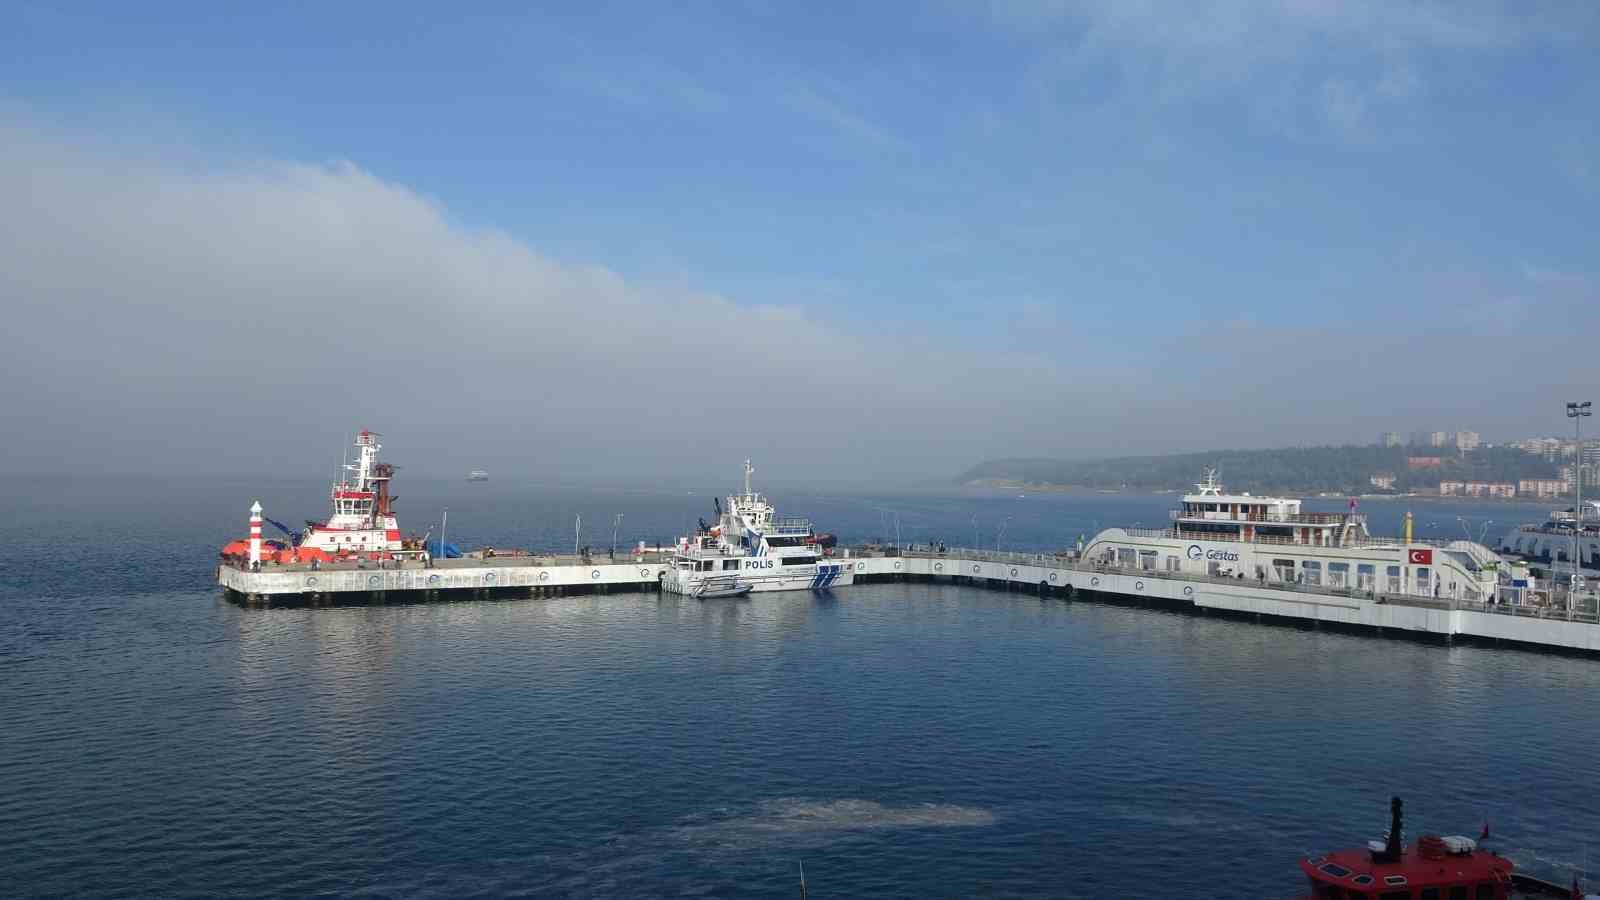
point(1576, 412)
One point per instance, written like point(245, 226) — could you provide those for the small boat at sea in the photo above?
point(1449, 867)
point(477, 475)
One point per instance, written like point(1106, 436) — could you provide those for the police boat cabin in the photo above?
point(750, 549)
point(1272, 541)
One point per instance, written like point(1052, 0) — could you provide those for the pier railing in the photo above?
point(1554, 605)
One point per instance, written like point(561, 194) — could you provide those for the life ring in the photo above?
point(1052, 577)
point(1094, 582)
point(433, 579)
point(897, 564)
point(544, 576)
point(1188, 590)
point(862, 567)
point(311, 581)
point(976, 568)
point(372, 580)
point(938, 567)
point(489, 578)
point(595, 574)
point(645, 573)
point(1138, 585)
point(1013, 573)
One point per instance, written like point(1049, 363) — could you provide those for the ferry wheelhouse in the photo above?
point(749, 549)
point(1552, 541)
point(1273, 541)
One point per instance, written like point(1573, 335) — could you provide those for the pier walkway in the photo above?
point(1048, 575)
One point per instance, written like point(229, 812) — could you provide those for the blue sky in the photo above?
point(1112, 195)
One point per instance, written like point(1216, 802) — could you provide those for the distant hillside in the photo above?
point(1297, 470)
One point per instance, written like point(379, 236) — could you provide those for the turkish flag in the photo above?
point(1421, 558)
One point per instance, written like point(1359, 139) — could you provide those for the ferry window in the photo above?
point(1485, 890)
point(730, 564)
point(1395, 895)
point(797, 561)
point(1429, 894)
point(1283, 569)
point(1313, 571)
point(1459, 892)
point(1338, 574)
point(1147, 560)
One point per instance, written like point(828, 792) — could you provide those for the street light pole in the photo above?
point(1576, 412)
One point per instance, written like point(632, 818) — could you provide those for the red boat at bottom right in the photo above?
point(1452, 867)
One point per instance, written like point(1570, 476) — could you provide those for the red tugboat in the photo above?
point(1435, 868)
point(362, 525)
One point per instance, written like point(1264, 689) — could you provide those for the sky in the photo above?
point(855, 242)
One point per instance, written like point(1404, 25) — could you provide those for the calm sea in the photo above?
point(898, 740)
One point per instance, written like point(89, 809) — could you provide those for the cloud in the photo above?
point(173, 311)
point(813, 103)
point(227, 312)
point(1346, 69)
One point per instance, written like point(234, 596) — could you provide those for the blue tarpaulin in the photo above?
point(450, 551)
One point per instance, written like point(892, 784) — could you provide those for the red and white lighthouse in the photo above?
point(255, 533)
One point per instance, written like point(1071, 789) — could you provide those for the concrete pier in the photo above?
point(1048, 575)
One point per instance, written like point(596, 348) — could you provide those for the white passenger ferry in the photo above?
point(1270, 541)
point(751, 548)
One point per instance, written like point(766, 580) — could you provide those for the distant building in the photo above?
point(1424, 462)
point(1383, 482)
point(1467, 440)
point(1389, 439)
point(1590, 473)
point(1477, 489)
point(1543, 488)
point(1548, 447)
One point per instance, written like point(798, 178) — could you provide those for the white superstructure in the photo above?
point(1271, 541)
point(750, 545)
point(362, 522)
point(1553, 542)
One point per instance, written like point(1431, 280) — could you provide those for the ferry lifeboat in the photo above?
point(1434, 868)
